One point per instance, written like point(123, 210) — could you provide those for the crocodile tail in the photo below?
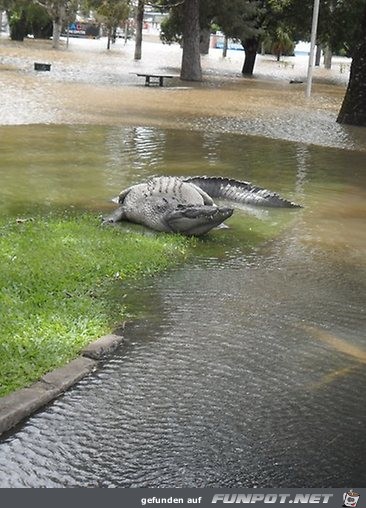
point(240, 192)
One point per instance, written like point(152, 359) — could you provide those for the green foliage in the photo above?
point(35, 16)
point(338, 24)
point(17, 17)
point(110, 12)
point(172, 27)
point(59, 10)
point(278, 5)
point(241, 19)
point(244, 19)
point(282, 44)
point(39, 22)
point(61, 286)
point(238, 19)
point(113, 12)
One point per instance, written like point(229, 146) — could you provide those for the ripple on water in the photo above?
point(230, 388)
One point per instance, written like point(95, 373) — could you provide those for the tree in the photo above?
point(243, 20)
point(338, 24)
point(39, 23)
point(16, 11)
point(238, 19)
point(112, 13)
point(191, 59)
point(172, 27)
point(17, 18)
point(185, 27)
point(353, 110)
point(59, 11)
point(25, 18)
point(342, 27)
point(207, 10)
point(282, 43)
point(282, 21)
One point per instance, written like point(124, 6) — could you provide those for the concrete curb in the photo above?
point(20, 404)
point(102, 347)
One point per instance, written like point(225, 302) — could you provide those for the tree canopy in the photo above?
point(111, 13)
point(282, 21)
point(59, 11)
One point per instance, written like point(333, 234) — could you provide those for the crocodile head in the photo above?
point(196, 219)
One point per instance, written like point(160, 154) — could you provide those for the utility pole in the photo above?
point(314, 27)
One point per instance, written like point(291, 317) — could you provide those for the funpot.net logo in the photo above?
point(272, 498)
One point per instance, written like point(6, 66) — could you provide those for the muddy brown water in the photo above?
point(246, 366)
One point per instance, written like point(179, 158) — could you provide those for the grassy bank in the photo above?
point(61, 286)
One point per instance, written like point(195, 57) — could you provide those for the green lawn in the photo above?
point(59, 287)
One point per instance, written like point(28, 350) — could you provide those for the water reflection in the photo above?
point(246, 367)
point(303, 160)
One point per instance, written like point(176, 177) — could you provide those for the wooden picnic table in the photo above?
point(148, 77)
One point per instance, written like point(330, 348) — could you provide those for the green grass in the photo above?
point(61, 286)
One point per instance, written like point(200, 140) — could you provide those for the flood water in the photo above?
point(246, 366)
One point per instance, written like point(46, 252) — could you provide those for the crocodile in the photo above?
point(186, 204)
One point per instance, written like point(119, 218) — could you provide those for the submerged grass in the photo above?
point(61, 286)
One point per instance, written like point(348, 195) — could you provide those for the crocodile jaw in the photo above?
point(196, 220)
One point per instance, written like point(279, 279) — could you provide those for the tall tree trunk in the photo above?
point(328, 57)
point(205, 41)
point(56, 33)
point(191, 59)
point(57, 12)
point(318, 55)
point(250, 47)
point(224, 48)
point(139, 24)
point(109, 38)
point(353, 110)
point(126, 31)
point(58, 18)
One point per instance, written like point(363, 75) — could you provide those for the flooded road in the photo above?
point(246, 366)
point(88, 84)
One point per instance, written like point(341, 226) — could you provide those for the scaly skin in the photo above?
point(185, 205)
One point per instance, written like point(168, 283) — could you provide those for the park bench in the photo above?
point(156, 77)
